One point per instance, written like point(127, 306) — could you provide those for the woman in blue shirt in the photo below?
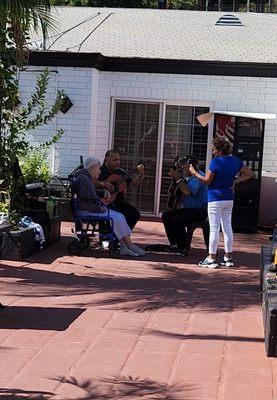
point(221, 178)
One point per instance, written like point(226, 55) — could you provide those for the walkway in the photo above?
point(157, 327)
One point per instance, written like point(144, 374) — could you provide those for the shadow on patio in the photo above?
point(127, 387)
point(18, 394)
point(248, 245)
point(114, 388)
point(172, 335)
point(246, 254)
point(41, 318)
point(158, 286)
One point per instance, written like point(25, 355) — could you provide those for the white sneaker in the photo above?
point(208, 263)
point(227, 262)
point(125, 251)
point(137, 250)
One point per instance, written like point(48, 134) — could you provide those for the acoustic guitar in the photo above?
point(174, 192)
point(119, 181)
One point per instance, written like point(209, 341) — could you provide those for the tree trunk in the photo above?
point(17, 190)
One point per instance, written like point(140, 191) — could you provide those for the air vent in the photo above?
point(228, 20)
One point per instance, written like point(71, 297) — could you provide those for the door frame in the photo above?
point(161, 131)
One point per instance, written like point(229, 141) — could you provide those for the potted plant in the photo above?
point(37, 175)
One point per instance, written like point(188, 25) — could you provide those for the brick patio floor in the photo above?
point(158, 327)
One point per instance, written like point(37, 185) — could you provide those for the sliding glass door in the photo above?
point(137, 136)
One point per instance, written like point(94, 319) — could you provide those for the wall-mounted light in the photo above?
point(66, 104)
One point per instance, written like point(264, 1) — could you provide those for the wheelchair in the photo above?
point(90, 227)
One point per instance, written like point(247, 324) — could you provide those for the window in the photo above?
point(136, 138)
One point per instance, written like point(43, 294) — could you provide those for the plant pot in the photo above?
point(52, 231)
point(63, 209)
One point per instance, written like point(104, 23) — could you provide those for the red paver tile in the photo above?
point(251, 391)
point(110, 343)
point(248, 374)
point(96, 357)
point(199, 367)
point(155, 366)
point(123, 320)
point(157, 345)
point(88, 322)
point(9, 367)
point(99, 370)
point(44, 365)
point(251, 346)
point(28, 383)
point(167, 322)
point(204, 391)
point(205, 345)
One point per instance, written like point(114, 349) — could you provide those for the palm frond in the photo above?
point(26, 14)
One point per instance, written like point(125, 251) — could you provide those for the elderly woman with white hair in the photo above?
point(89, 203)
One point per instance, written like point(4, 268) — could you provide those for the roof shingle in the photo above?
point(165, 34)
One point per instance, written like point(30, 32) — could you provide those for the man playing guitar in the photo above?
point(190, 208)
point(116, 180)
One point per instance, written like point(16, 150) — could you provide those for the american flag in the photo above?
point(225, 126)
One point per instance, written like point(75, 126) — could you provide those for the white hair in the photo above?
point(91, 162)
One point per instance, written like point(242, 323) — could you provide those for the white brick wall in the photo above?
point(77, 83)
point(87, 123)
point(219, 92)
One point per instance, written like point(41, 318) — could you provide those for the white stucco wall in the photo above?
point(88, 123)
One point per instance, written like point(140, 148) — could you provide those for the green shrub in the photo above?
point(35, 167)
point(4, 207)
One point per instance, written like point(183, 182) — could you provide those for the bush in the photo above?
point(4, 207)
point(35, 167)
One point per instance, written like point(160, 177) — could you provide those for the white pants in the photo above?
point(220, 213)
point(120, 226)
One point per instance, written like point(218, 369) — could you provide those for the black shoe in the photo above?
point(171, 249)
point(177, 250)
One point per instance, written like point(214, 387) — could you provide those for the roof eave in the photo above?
point(146, 65)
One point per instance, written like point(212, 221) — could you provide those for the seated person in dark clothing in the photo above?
point(191, 207)
point(117, 186)
point(90, 205)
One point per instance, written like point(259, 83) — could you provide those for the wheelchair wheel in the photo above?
point(112, 249)
point(85, 242)
point(75, 247)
